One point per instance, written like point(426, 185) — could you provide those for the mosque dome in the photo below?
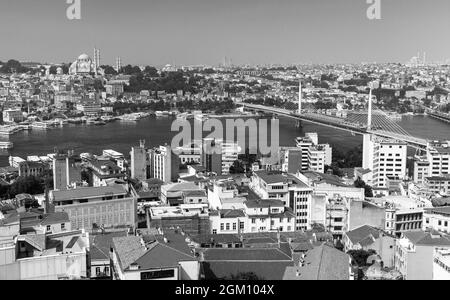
point(82, 66)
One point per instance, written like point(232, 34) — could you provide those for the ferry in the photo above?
point(184, 116)
point(99, 123)
point(6, 145)
point(134, 117)
point(40, 125)
point(201, 117)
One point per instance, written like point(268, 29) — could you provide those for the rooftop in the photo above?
point(321, 263)
point(88, 192)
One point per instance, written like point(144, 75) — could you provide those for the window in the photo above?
point(228, 226)
point(253, 221)
point(97, 271)
point(49, 228)
point(234, 226)
point(107, 271)
point(214, 231)
point(63, 226)
point(221, 226)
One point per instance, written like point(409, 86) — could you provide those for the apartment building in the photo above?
point(437, 218)
point(314, 156)
point(415, 253)
point(289, 189)
point(108, 206)
point(385, 158)
point(256, 216)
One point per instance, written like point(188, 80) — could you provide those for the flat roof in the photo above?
point(88, 192)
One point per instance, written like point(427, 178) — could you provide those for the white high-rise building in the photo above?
point(315, 156)
point(164, 164)
point(385, 158)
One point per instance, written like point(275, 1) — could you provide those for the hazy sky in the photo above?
point(157, 32)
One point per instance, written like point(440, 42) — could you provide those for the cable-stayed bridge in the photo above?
point(374, 122)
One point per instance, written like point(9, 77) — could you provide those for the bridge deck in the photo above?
point(355, 123)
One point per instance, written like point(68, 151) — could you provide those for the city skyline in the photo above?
point(204, 32)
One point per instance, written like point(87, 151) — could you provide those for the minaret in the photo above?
point(118, 64)
point(95, 61)
point(369, 113)
point(300, 96)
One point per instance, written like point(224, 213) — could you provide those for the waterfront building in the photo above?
point(385, 158)
point(108, 206)
point(32, 168)
point(91, 108)
point(12, 116)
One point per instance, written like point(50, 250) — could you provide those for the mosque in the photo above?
point(84, 65)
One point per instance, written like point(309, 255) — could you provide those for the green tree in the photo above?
point(368, 191)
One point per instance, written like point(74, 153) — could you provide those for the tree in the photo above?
point(360, 257)
point(109, 70)
point(359, 183)
point(150, 71)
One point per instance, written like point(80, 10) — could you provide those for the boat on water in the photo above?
point(6, 145)
point(99, 123)
point(107, 119)
point(41, 125)
point(201, 117)
point(134, 117)
point(75, 121)
point(184, 116)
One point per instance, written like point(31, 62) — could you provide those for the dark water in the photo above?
point(120, 136)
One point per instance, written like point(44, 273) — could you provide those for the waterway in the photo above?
point(120, 136)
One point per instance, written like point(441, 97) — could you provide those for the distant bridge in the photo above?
point(355, 123)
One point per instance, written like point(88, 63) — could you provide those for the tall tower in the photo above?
point(300, 96)
point(95, 60)
point(118, 64)
point(369, 113)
